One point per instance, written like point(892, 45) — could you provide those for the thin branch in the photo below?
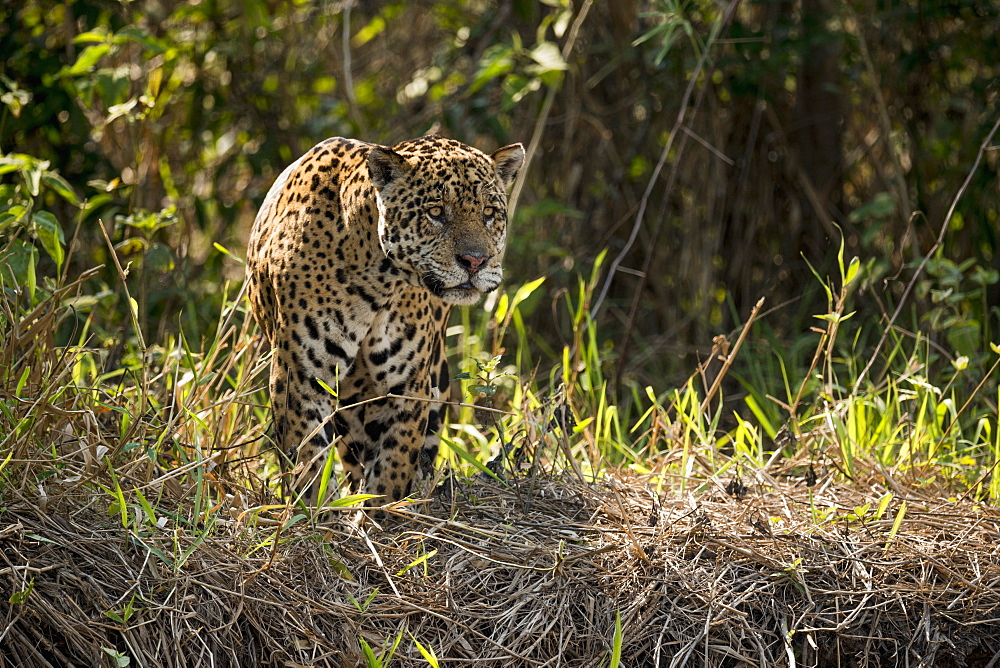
point(644, 202)
point(345, 38)
point(731, 356)
point(543, 116)
point(923, 263)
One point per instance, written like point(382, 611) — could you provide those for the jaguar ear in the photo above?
point(385, 166)
point(508, 161)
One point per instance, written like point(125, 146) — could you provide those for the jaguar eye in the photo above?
point(488, 212)
point(435, 212)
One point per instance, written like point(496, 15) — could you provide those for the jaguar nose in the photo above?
point(472, 261)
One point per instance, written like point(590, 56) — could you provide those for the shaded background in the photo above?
point(800, 121)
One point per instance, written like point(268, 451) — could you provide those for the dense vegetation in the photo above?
point(687, 158)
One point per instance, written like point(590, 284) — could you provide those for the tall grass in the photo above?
point(929, 420)
point(170, 434)
point(167, 438)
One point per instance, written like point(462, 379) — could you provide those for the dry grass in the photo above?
point(138, 527)
point(532, 573)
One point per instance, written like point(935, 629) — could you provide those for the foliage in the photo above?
point(137, 140)
point(188, 112)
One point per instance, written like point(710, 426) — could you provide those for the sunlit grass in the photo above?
point(172, 434)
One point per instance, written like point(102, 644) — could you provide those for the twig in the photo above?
point(885, 125)
point(121, 274)
point(345, 38)
point(927, 256)
point(543, 115)
point(644, 202)
point(731, 356)
point(955, 420)
point(705, 143)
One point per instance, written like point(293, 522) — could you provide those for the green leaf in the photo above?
point(495, 63)
point(826, 288)
point(883, 504)
point(616, 643)
point(761, 416)
point(852, 270)
point(32, 279)
point(96, 202)
point(388, 654)
point(146, 507)
point(983, 277)
point(464, 454)
point(370, 659)
point(121, 660)
point(326, 387)
point(112, 84)
point(833, 317)
point(61, 186)
point(21, 383)
point(369, 32)
point(98, 34)
point(225, 251)
point(427, 653)
point(548, 56)
point(19, 597)
point(131, 245)
point(10, 164)
point(525, 291)
point(900, 514)
point(881, 206)
point(18, 264)
point(87, 59)
point(840, 255)
point(158, 258)
point(501, 309)
point(50, 233)
point(32, 172)
point(13, 214)
point(137, 35)
point(15, 98)
point(159, 554)
point(583, 424)
point(417, 562)
point(351, 500)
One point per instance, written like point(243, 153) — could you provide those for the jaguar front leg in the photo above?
point(397, 431)
point(304, 410)
point(405, 364)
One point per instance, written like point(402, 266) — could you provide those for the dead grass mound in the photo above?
point(532, 573)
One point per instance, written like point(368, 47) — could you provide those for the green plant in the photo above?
point(672, 18)
point(24, 222)
point(427, 652)
point(487, 378)
point(121, 659)
point(382, 659)
point(124, 614)
point(616, 642)
point(960, 310)
point(19, 597)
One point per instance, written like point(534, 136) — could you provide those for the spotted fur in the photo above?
point(354, 260)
